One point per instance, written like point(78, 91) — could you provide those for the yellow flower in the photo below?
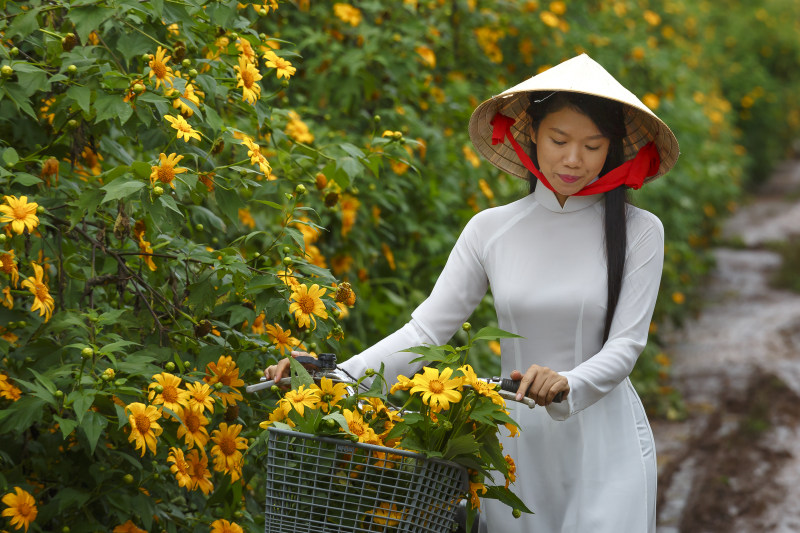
point(307, 303)
point(180, 467)
point(159, 68)
point(288, 278)
point(246, 217)
point(8, 300)
point(359, 427)
point(171, 395)
point(225, 371)
point(678, 297)
point(278, 414)
point(183, 128)
point(486, 189)
point(198, 471)
point(223, 526)
point(349, 205)
point(227, 443)
point(8, 265)
point(147, 254)
point(166, 170)
point(550, 19)
point(558, 7)
point(199, 394)
point(471, 156)
point(652, 18)
point(437, 389)
point(389, 255)
point(298, 130)
point(347, 13)
point(128, 527)
point(314, 256)
point(427, 55)
point(403, 383)
point(246, 49)
point(387, 515)
point(248, 77)
point(474, 490)
point(8, 390)
point(256, 157)
point(651, 100)
point(20, 213)
point(282, 339)
point(193, 426)
point(42, 301)
point(329, 394)
point(301, 398)
point(191, 94)
point(21, 508)
point(144, 426)
point(511, 477)
point(283, 68)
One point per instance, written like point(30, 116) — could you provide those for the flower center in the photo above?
point(356, 427)
point(306, 304)
point(227, 446)
point(24, 509)
point(20, 211)
point(192, 422)
point(170, 394)
point(166, 173)
point(160, 69)
point(8, 264)
point(436, 386)
point(142, 423)
point(247, 78)
point(42, 292)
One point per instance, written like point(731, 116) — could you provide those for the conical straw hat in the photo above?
point(580, 74)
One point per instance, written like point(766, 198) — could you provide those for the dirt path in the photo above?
point(734, 464)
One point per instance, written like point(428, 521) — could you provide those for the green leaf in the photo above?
point(66, 425)
point(21, 414)
point(87, 19)
point(10, 156)
point(118, 346)
point(142, 169)
point(25, 179)
point(82, 400)
point(24, 24)
point(69, 498)
point(493, 333)
point(93, 425)
point(352, 150)
point(339, 418)
point(461, 445)
point(20, 99)
point(351, 167)
point(120, 188)
point(169, 202)
point(300, 375)
point(507, 497)
point(112, 106)
point(239, 314)
point(81, 95)
point(444, 354)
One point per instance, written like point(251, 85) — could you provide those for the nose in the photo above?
point(572, 156)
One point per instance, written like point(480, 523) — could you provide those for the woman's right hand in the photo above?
point(277, 371)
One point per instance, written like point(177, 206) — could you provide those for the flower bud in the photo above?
point(466, 326)
point(158, 190)
point(87, 352)
point(288, 261)
point(300, 189)
point(6, 71)
point(72, 69)
point(516, 513)
point(170, 367)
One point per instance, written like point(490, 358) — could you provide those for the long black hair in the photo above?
point(609, 118)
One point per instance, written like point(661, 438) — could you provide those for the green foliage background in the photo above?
point(724, 76)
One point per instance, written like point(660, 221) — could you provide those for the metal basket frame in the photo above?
point(330, 485)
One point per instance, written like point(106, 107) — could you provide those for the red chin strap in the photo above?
point(631, 173)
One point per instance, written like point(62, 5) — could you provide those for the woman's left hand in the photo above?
point(540, 383)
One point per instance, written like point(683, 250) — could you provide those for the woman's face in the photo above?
point(571, 151)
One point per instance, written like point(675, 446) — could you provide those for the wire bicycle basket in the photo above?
point(324, 484)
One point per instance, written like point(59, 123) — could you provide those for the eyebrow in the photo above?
point(591, 138)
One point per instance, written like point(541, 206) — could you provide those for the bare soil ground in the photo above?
point(734, 463)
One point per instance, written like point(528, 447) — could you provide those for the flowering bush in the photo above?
point(447, 413)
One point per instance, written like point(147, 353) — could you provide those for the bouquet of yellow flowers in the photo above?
point(345, 443)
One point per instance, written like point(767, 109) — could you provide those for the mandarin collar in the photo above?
point(547, 198)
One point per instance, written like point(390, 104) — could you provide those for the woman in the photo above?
point(575, 271)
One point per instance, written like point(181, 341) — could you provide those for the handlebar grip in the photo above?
point(511, 385)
